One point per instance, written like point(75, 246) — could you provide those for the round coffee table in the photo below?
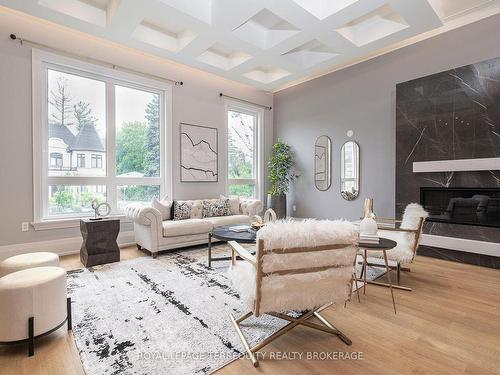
point(383, 245)
point(224, 233)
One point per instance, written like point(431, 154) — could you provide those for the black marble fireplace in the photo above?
point(452, 115)
point(467, 206)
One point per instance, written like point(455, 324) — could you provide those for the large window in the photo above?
point(243, 151)
point(114, 120)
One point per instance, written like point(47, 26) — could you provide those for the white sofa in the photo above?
point(154, 234)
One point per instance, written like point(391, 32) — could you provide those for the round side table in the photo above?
point(383, 245)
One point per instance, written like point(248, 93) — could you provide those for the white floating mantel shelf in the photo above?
point(483, 164)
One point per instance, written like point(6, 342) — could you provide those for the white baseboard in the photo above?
point(63, 246)
point(460, 244)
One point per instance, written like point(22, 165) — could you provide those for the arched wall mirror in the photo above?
point(349, 170)
point(323, 163)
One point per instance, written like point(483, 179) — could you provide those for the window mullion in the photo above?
point(111, 142)
point(42, 130)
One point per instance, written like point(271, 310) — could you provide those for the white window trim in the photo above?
point(238, 106)
point(40, 61)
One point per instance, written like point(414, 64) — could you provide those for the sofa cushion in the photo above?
point(173, 228)
point(234, 204)
point(164, 206)
point(182, 210)
point(197, 209)
point(229, 220)
point(250, 207)
point(216, 207)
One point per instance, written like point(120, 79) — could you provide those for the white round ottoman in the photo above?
point(33, 303)
point(29, 260)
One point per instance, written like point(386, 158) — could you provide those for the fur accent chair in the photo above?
point(298, 266)
point(407, 236)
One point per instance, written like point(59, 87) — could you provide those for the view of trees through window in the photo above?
point(77, 135)
point(241, 153)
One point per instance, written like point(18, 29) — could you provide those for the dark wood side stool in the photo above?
point(99, 241)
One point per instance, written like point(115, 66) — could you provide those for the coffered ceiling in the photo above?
point(270, 44)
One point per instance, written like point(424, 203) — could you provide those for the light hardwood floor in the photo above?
point(448, 324)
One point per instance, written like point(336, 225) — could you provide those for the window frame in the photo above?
point(42, 61)
point(258, 112)
point(80, 157)
point(98, 161)
point(57, 156)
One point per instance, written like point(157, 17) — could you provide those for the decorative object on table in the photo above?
point(99, 241)
point(368, 229)
point(349, 171)
point(199, 155)
point(286, 274)
point(239, 228)
point(100, 209)
point(323, 163)
point(34, 304)
point(269, 217)
point(256, 225)
point(281, 174)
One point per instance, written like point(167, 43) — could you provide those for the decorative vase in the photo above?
point(368, 209)
point(368, 226)
point(278, 204)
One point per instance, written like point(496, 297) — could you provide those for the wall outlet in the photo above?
point(294, 208)
point(25, 226)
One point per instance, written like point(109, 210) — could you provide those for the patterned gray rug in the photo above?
point(163, 316)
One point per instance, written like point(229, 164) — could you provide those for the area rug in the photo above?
point(159, 316)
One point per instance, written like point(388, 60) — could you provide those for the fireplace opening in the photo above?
point(469, 206)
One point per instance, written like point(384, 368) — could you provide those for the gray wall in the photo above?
point(362, 98)
point(197, 102)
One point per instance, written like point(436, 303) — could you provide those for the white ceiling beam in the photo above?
point(213, 21)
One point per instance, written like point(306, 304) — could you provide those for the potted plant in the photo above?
point(281, 174)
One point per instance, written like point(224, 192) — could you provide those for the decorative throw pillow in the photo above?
point(182, 210)
point(196, 209)
point(164, 206)
point(234, 204)
point(216, 207)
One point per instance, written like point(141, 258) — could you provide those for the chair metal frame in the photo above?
point(257, 261)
